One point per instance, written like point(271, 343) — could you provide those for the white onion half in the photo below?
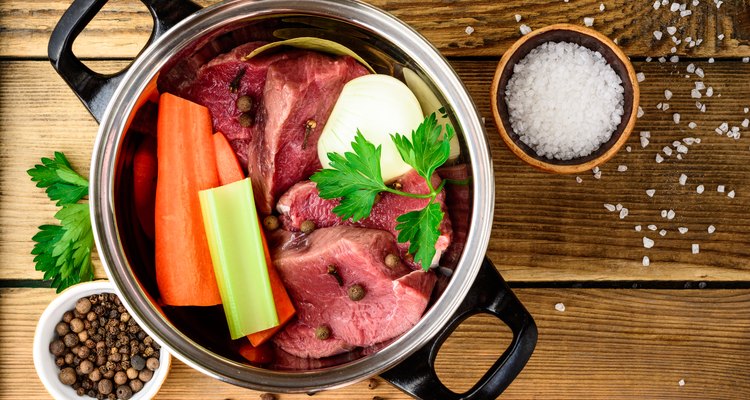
point(378, 106)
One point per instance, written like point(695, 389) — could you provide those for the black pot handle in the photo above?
point(489, 294)
point(94, 89)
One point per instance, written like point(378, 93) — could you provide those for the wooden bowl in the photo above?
point(592, 40)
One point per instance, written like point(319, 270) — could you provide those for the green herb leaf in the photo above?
point(62, 183)
point(354, 177)
point(428, 148)
point(421, 229)
point(63, 252)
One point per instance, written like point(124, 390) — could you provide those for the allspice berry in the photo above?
point(136, 385)
point(70, 340)
point(271, 223)
point(83, 305)
point(57, 347)
point(132, 373)
point(372, 383)
point(95, 375)
point(68, 376)
point(245, 120)
point(245, 103)
point(152, 363)
point(307, 226)
point(86, 367)
point(124, 392)
point(145, 375)
point(104, 386)
point(62, 328)
point(76, 325)
point(356, 292)
point(322, 332)
point(120, 378)
point(392, 260)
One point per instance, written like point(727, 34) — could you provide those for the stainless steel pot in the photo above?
point(185, 35)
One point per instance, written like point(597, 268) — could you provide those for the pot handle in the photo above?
point(94, 89)
point(489, 294)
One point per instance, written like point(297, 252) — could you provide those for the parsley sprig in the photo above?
point(63, 252)
point(355, 178)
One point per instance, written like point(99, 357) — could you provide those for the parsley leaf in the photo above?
point(356, 180)
point(63, 184)
point(354, 177)
point(63, 252)
point(428, 148)
point(421, 229)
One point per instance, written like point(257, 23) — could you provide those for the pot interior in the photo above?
point(207, 326)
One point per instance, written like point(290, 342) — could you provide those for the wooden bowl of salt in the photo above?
point(564, 98)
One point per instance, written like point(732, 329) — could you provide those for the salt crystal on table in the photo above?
point(648, 243)
point(745, 123)
point(588, 21)
point(685, 13)
point(671, 30)
point(628, 148)
point(746, 110)
point(518, 17)
point(667, 150)
point(711, 60)
point(657, 4)
point(682, 230)
point(681, 382)
point(646, 134)
point(525, 29)
point(650, 192)
point(659, 159)
point(673, 50)
point(660, 106)
point(637, 228)
point(560, 307)
point(700, 189)
point(683, 179)
point(624, 213)
point(662, 59)
point(469, 30)
point(609, 207)
point(663, 232)
point(652, 227)
point(699, 72)
point(640, 112)
point(682, 149)
point(622, 168)
point(709, 91)
point(720, 188)
point(640, 77)
point(695, 93)
point(745, 60)
point(658, 35)
point(665, 106)
point(670, 214)
point(676, 118)
point(691, 68)
point(699, 85)
point(644, 142)
point(667, 94)
point(664, 213)
point(578, 179)
point(692, 125)
point(721, 37)
point(618, 207)
point(601, 7)
point(646, 261)
point(711, 229)
point(696, 248)
point(731, 194)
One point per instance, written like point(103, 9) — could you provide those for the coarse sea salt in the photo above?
point(711, 229)
point(683, 179)
point(695, 248)
point(646, 261)
point(525, 29)
point(650, 192)
point(700, 189)
point(648, 243)
point(560, 307)
point(538, 98)
point(588, 21)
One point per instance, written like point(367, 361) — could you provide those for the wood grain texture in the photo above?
point(123, 26)
point(608, 344)
point(538, 234)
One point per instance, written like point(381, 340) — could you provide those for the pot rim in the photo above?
point(138, 302)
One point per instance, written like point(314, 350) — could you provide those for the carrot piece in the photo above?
point(144, 184)
point(284, 307)
point(186, 165)
point(226, 161)
point(256, 354)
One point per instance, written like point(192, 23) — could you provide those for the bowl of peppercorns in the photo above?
point(87, 345)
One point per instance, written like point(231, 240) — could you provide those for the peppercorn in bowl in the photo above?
point(87, 346)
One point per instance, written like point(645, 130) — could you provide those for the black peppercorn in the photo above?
point(137, 362)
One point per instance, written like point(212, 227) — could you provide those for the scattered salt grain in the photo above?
point(665, 107)
point(700, 189)
point(638, 228)
point(695, 93)
point(681, 382)
point(709, 91)
point(657, 4)
point(683, 179)
point(720, 188)
point(663, 232)
point(670, 214)
point(730, 194)
point(658, 35)
point(682, 230)
point(711, 229)
point(699, 72)
point(746, 110)
point(646, 261)
point(588, 21)
point(644, 142)
point(652, 227)
point(628, 149)
point(711, 60)
point(745, 123)
point(650, 192)
point(538, 94)
point(646, 134)
point(673, 50)
point(682, 149)
point(609, 207)
point(525, 30)
point(671, 30)
point(560, 307)
point(662, 59)
point(601, 7)
point(469, 30)
point(690, 68)
point(699, 85)
point(578, 179)
point(721, 37)
point(692, 125)
point(640, 77)
point(624, 213)
point(598, 175)
point(659, 159)
point(685, 13)
point(664, 213)
point(667, 150)
point(676, 118)
point(622, 168)
point(647, 243)
point(745, 60)
point(695, 248)
point(518, 17)
point(640, 112)
point(618, 207)
point(667, 94)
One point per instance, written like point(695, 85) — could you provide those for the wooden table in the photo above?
point(628, 331)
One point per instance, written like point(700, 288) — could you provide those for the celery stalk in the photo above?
point(234, 239)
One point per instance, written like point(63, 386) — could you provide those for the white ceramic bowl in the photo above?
point(44, 361)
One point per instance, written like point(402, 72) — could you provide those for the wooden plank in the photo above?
point(123, 26)
point(608, 344)
point(538, 235)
